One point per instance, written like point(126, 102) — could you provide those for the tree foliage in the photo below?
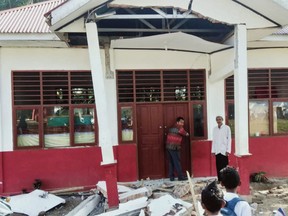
point(7, 4)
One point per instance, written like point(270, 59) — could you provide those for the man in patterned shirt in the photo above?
point(173, 146)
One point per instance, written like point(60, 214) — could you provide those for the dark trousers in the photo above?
point(174, 163)
point(221, 162)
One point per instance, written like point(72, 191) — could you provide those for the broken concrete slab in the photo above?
point(264, 192)
point(35, 202)
point(134, 194)
point(125, 193)
point(101, 186)
point(5, 208)
point(86, 206)
point(157, 195)
point(181, 190)
point(169, 206)
point(153, 184)
point(132, 207)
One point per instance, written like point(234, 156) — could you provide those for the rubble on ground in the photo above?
point(161, 197)
point(144, 198)
point(268, 197)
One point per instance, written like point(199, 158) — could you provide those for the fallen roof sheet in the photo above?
point(35, 202)
point(128, 207)
point(169, 206)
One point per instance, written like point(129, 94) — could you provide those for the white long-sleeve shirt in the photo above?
point(221, 142)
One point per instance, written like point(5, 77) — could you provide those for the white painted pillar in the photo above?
point(1, 127)
point(98, 77)
point(215, 104)
point(241, 91)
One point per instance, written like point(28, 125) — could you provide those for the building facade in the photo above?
point(98, 83)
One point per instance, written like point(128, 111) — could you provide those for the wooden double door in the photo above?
point(153, 122)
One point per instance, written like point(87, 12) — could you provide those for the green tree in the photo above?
point(7, 4)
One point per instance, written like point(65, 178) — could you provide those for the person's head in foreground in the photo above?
point(230, 179)
point(212, 199)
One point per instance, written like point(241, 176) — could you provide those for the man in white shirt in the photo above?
point(231, 180)
point(221, 144)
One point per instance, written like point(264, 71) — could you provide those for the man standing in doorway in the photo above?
point(221, 144)
point(173, 146)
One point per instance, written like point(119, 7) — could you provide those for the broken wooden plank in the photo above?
point(164, 190)
point(65, 190)
point(192, 193)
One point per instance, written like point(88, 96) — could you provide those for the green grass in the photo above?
point(282, 125)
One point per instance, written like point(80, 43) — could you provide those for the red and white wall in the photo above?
point(80, 166)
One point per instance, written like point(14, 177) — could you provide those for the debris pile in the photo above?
point(276, 195)
point(145, 197)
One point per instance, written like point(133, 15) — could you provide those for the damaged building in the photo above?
point(88, 89)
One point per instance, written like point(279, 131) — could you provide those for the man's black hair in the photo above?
point(212, 197)
point(179, 119)
point(230, 178)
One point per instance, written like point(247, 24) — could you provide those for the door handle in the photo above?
point(160, 127)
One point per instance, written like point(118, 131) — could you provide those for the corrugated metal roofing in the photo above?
point(27, 19)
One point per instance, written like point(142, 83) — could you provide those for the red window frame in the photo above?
point(263, 84)
point(31, 90)
point(134, 87)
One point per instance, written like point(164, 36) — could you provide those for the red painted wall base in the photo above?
point(63, 168)
point(268, 154)
point(71, 167)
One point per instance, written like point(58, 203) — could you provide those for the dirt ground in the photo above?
point(277, 196)
point(265, 197)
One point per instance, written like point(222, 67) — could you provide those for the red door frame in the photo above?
point(176, 109)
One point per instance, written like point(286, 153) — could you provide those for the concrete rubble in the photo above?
point(140, 198)
point(279, 192)
point(175, 197)
point(145, 197)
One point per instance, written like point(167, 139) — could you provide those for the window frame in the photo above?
point(204, 104)
point(194, 94)
point(134, 126)
point(42, 105)
point(273, 95)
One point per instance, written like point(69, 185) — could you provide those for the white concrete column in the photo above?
point(241, 91)
point(101, 100)
point(1, 103)
point(215, 104)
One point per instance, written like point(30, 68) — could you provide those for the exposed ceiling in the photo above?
point(140, 22)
